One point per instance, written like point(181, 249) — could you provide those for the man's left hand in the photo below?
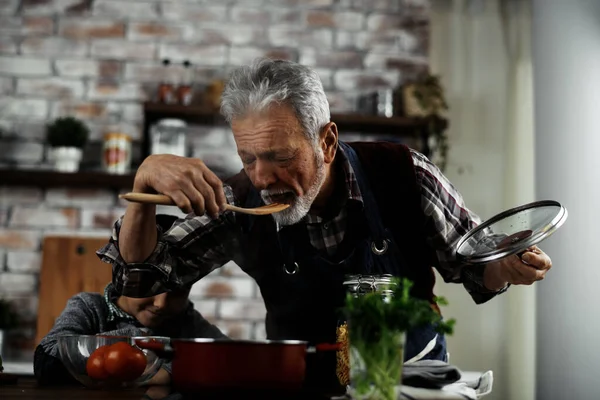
point(531, 267)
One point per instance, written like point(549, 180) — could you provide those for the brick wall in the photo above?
point(98, 60)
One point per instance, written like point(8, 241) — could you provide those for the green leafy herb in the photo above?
point(376, 327)
point(67, 132)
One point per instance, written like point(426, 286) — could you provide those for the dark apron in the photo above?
point(304, 293)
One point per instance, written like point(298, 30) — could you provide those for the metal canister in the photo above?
point(358, 285)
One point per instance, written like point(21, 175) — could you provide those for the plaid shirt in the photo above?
point(114, 312)
point(208, 244)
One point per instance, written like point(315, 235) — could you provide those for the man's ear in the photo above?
point(329, 141)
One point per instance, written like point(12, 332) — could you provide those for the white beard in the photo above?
point(300, 204)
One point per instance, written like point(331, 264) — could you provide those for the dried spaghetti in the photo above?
point(343, 355)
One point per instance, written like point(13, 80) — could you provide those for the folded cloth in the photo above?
point(431, 374)
point(475, 386)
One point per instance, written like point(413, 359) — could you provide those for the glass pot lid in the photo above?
point(511, 232)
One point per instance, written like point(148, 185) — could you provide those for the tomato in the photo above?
point(95, 364)
point(124, 362)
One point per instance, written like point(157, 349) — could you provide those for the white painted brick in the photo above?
point(21, 152)
point(108, 91)
point(55, 88)
point(232, 269)
point(13, 107)
point(77, 68)
point(25, 66)
point(206, 307)
point(147, 30)
point(20, 239)
point(125, 9)
point(100, 217)
point(259, 331)
point(244, 55)
point(9, 7)
point(42, 217)
point(223, 287)
point(348, 80)
point(237, 35)
point(123, 50)
point(26, 25)
point(91, 28)
point(86, 110)
point(199, 13)
point(236, 329)
point(198, 55)
point(250, 15)
point(346, 20)
point(97, 131)
point(54, 46)
point(6, 86)
point(24, 262)
point(20, 195)
point(28, 128)
point(253, 310)
point(79, 197)
point(131, 112)
point(18, 283)
point(326, 76)
point(8, 45)
point(3, 222)
point(48, 7)
point(83, 233)
point(402, 62)
point(293, 36)
point(285, 17)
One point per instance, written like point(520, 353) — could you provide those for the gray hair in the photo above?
point(257, 86)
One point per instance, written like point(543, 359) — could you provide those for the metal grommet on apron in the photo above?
point(379, 251)
point(292, 271)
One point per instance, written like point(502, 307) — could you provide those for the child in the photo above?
point(168, 314)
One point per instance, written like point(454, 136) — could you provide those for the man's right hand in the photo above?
point(187, 181)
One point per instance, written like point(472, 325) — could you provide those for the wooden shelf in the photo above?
point(402, 126)
point(48, 179)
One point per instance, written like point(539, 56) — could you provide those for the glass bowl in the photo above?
point(75, 350)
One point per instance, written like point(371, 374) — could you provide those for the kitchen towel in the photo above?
point(431, 374)
point(471, 386)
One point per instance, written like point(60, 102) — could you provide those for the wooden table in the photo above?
point(27, 389)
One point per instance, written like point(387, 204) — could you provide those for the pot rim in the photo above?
point(238, 341)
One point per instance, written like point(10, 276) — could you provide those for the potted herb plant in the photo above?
point(66, 137)
point(377, 327)
point(8, 320)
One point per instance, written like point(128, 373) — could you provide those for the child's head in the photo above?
point(156, 310)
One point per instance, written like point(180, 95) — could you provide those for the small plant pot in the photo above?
point(65, 159)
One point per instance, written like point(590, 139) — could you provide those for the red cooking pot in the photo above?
point(221, 364)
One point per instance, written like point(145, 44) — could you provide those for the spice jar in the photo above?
point(116, 153)
point(168, 136)
point(357, 285)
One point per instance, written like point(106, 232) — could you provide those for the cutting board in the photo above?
point(69, 266)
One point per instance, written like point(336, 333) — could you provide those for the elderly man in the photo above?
point(369, 208)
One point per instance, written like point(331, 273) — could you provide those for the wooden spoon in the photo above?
point(161, 199)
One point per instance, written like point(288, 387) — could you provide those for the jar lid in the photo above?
point(361, 284)
point(116, 135)
point(171, 123)
point(511, 232)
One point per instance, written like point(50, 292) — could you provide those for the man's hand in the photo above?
point(187, 181)
point(531, 267)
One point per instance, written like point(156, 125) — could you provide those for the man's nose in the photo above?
point(264, 175)
point(160, 301)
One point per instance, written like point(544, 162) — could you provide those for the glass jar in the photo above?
point(168, 136)
point(357, 285)
point(116, 157)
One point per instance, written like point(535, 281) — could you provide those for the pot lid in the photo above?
point(511, 232)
